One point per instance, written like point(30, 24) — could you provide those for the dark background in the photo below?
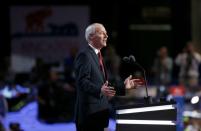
point(117, 16)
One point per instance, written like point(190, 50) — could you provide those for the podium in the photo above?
point(147, 117)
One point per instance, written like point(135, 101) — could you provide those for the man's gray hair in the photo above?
point(91, 29)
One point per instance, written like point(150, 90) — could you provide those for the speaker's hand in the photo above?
point(131, 83)
point(108, 90)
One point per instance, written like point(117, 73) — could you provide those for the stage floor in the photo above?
point(27, 117)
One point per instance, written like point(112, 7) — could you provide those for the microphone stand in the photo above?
point(147, 98)
point(132, 61)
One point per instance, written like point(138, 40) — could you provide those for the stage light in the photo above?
point(195, 100)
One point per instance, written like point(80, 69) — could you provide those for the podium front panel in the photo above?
point(159, 117)
point(135, 127)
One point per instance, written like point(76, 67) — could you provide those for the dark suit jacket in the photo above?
point(89, 80)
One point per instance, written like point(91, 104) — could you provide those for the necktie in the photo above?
point(101, 63)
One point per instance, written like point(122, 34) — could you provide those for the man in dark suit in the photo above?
point(93, 90)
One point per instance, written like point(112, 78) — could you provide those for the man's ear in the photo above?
point(91, 36)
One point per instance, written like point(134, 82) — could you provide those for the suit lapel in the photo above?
point(95, 57)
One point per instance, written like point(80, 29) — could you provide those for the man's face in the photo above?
point(99, 39)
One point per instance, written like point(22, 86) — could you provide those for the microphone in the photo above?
point(126, 59)
point(132, 60)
